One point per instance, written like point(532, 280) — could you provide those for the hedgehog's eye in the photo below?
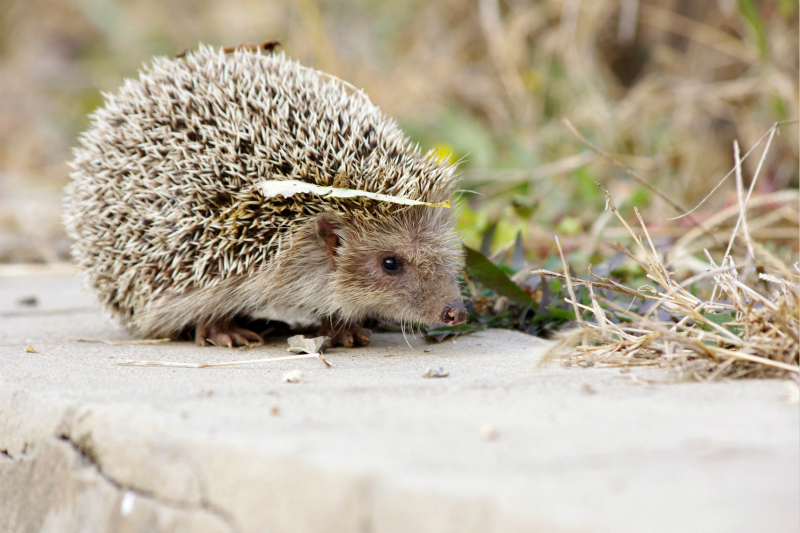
point(391, 264)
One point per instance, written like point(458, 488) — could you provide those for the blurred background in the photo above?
point(666, 86)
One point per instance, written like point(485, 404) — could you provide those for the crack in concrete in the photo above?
point(84, 447)
point(204, 501)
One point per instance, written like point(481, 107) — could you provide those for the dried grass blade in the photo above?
point(604, 284)
point(578, 316)
point(133, 362)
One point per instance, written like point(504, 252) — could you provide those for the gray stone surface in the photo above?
point(369, 445)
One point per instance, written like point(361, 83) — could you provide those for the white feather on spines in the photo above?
point(162, 193)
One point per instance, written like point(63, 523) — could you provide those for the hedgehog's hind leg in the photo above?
point(345, 334)
point(225, 333)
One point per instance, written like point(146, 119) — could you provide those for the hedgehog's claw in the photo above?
point(225, 333)
point(347, 335)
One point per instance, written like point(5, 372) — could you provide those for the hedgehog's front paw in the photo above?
point(225, 333)
point(347, 335)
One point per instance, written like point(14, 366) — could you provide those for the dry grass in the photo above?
point(746, 325)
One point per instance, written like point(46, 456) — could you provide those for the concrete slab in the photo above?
point(369, 445)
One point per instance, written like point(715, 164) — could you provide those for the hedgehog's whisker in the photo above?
point(403, 328)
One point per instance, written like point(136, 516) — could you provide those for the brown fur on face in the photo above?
point(426, 249)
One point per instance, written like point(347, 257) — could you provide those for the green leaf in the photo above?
point(639, 198)
point(480, 268)
point(787, 8)
point(561, 313)
point(749, 10)
point(569, 226)
point(524, 208)
point(587, 191)
point(718, 318)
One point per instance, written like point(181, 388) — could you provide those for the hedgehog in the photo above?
point(172, 230)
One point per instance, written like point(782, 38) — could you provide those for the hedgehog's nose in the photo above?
point(454, 313)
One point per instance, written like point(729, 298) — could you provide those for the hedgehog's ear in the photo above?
point(327, 224)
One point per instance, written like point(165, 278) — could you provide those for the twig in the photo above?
point(743, 201)
point(120, 343)
point(611, 159)
point(769, 132)
point(612, 286)
point(132, 362)
point(756, 359)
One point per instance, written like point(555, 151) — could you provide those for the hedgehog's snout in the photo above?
point(454, 313)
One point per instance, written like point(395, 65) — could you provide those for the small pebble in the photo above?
point(293, 376)
point(792, 393)
point(30, 349)
point(489, 432)
point(28, 301)
point(435, 371)
point(127, 503)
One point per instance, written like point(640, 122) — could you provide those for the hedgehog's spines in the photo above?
point(162, 195)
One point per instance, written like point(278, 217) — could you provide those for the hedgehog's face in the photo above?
point(402, 269)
